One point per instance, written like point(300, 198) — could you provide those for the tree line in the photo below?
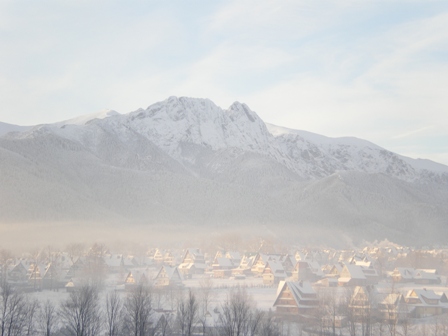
point(87, 313)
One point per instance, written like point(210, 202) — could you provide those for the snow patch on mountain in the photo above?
point(84, 119)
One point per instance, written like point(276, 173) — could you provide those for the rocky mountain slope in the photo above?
point(187, 161)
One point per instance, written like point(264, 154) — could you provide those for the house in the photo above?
point(76, 269)
point(393, 308)
point(307, 270)
point(114, 262)
point(296, 298)
point(352, 275)
point(419, 276)
point(245, 266)
point(403, 274)
point(193, 262)
point(426, 276)
point(363, 303)
point(288, 262)
point(168, 259)
point(18, 274)
point(335, 270)
point(52, 277)
point(168, 276)
point(260, 261)
point(222, 267)
point(35, 277)
point(158, 257)
point(424, 302)
point(273, 273)
point(134, 279)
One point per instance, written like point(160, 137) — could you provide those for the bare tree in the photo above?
point(31, 314)
point(165, 324)
point(238, 316)
point(48, 319)
point(268, 326)
point(13, 312)
point(81, 312)
point(138, 306)
point(114, 314)
point(187, 314)
point(75, 251)
point(328, 309)
point(205, 294)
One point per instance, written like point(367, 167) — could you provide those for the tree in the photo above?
point(205, 295)
point(114, 314)
point(187, 314)
point(268, 326)
point(31, 312)
point(138, 306)
point(48, 319)
point(81, 312)
point(238, 315)
point(13, 315)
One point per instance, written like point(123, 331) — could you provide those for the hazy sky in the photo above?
point(377, 70)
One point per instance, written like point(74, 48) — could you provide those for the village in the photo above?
point(385, 289)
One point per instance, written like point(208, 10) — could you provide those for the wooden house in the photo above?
point(168, 276)
point(18, 274)
point(393, 308)
point(35, 277)
point(424, 302)
point(273, 273)
point(222, 267)
point(193, 262)
point(307, 270)
point(296, 298)
point(363, 303)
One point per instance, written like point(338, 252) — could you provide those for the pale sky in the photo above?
point(376, 70)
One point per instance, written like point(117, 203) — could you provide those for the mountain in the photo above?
point(6, 128)
point(186, 161)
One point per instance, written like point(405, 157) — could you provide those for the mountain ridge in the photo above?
point(186, 160)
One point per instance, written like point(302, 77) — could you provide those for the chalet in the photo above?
point(424, 302)
point(296, 298)
point(222, 267)
point(168, 276)
point(393, 308)
point(76, 269)
point(192, 263)
point(335, 271)
point(245, 266)
point(273, 273)
point(114, 262)
point(352, 275)
point(35, 277)
point(403, 274)
point(134, 279)
point(130, 262)
point(260, 261)
point(426, 276)
point(168, 259)
point(288, 263)
point(419, 276)
point(18, 274)
point(158, 257)
point(363, 303)
point(307, 270)
point(52, 277)
point(234, 256)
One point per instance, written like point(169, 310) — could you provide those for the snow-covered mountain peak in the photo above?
point(238, 110)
